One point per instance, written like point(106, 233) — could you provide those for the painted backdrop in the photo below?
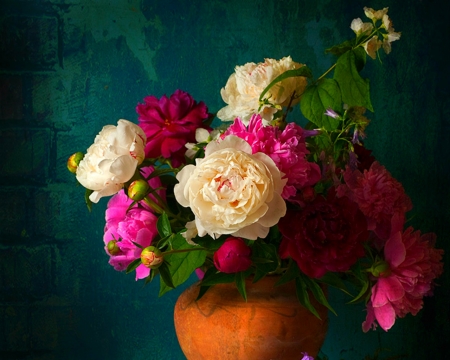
point(69, 67)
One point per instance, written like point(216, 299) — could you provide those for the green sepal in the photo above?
point(319, 97)
point(355, 90)
point(133, 265)
point(88, 201)
point(302, 71)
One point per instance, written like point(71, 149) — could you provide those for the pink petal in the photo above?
point(394, 250)
point(142, 272)
point(385, 316)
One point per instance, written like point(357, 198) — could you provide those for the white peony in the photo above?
point(246, 84)
point(112, 159)
point(232, 191)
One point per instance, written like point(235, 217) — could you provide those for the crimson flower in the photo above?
point(170, 123)
point(378, 195)
point(327, 235)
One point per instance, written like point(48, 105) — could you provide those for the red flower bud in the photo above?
point(233, 256)
point(152, 257)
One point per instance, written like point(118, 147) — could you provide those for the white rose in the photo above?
point(232, 191)
point(244, 87)
point(112, 159)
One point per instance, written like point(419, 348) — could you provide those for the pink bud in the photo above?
point(233, 256)
point(152, 257)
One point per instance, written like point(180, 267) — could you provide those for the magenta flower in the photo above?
point(286, 148)
point(122, 228)
point(233, 256)
point(170, 123)
point(412, 265)
point(327, 235)
point(125, 229)
point(378, 195)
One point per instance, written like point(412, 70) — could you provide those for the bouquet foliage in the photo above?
point(261, 195)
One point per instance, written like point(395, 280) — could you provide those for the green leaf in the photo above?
point(181, 265)
point(240, 283)
point(291, 273)
point(303, 297)
point(268, 252)
point(134, 264)
point(362, 292)
point(332, 279)
point(163, 225)
point(355, 90)
point(166, 277)
point(317, 292)
point(340, 49)
point(302, 71)
point(217, 277)
point(151, 276)
point(209, 243)
point(317, 98)
point(87, 200)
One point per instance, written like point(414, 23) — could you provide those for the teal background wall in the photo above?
point(69, 67)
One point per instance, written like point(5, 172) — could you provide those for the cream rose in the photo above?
point(246, 84)
point(112, 159)
point(232, 191)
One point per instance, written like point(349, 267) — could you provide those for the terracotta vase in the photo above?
point(270, 325)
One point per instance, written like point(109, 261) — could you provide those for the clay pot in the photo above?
point(270, 325)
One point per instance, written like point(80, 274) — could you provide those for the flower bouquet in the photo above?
point(259, 194)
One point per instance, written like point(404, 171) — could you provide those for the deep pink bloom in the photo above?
point(327, 235)
point(413, 264)
point(233, 256)
point(378, 195)
point(287, 148)
point(137, 225)
point(170, 123)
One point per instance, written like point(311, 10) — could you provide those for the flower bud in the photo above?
point(233, 256)
point(138, 189)
point(112, 247)
point(152, 257)
point(73, 161)
point(380, 269)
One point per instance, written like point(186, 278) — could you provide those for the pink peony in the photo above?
point(286, 148)
point(413, 264)
point(327, 235)
point(378, 195)
point(233, 256)
point(170, 123)
point(124, 227)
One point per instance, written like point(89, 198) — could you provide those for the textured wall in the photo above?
point(68, 67)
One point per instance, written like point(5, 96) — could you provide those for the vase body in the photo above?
point(272, 324)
